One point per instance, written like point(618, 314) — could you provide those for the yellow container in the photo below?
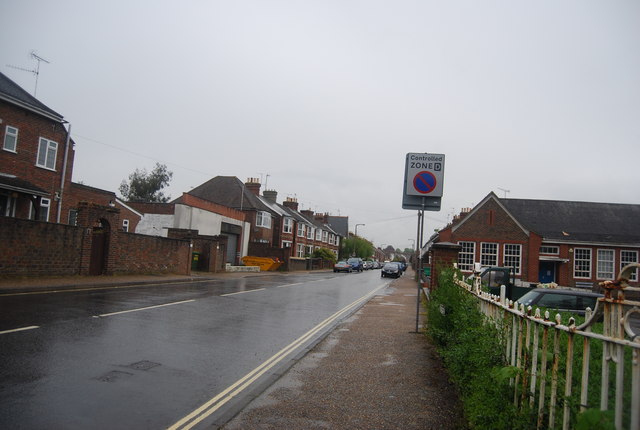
point(265, 263)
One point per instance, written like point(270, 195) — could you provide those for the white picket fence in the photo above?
point(537, 345)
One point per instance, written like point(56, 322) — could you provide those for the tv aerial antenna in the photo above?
point(35, 71)
point(504, 191)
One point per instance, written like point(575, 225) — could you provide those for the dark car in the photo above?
point(356, 264)
point(342, 266)
point(561, 299)
point(391, 270)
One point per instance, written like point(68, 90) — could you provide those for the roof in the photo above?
point(340, 224)
point(228, 191)
point(13, 93)
point(578, 221)
point(13, 183)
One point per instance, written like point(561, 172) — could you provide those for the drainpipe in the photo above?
point(64, 173)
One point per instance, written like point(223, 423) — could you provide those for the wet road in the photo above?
point(169, 356)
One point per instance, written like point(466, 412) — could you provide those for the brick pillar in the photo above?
point(443, 255)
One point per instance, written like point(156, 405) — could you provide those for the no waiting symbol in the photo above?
point(424, 182)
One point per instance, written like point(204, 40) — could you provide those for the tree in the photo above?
point(357, 247)
point(146, 187)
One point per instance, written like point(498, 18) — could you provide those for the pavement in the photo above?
point(373, 371)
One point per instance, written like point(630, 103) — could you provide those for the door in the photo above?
point(547, 272)
point(232, 248)
point(99, 249)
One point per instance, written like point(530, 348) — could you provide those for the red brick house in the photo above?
point(36, 157)
point(569, 243)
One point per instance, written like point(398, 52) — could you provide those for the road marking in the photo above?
point(289, 285)
point(143, 309)
point(236, 388)
point(110, 287)
point(31, 327)
point(242, 292)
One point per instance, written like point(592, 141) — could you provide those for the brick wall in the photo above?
point(34, 248)
point(137, 253)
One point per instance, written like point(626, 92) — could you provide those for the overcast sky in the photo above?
point(541, 98)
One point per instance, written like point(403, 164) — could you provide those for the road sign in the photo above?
point(423, 181)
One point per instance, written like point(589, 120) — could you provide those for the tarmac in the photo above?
point(373, 371)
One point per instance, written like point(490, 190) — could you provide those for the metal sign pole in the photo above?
point(419, 267)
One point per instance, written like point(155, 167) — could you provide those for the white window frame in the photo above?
point(287, 243)
point(605, 264)
point(583, 259)
point(300, 229)
point(325, 236)
point(509, 256)
point(263, 219)
point(300, 250)
point(10, 133)
point(309, 249)
point(488, 258)
point(549, 249)
point(332, 239)
point(125, 225)
point(287, 225)
point(45, 206)
point(627, 257)
point(310, 231)
point(466, 257)
point(47, 154)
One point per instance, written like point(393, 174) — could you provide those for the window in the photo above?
point(73, 217)
point(626, 258)
point(310, 232)
point(325, 236)
point(332, 239)
point(319, 234)
point(44, 209)
point(263, 219)
point(466, 256)
point(300, 229)
point(125, 225)
point(547, 249)
point(287, 225)
point(512, 255)
point(605, 264)
point(489, 254)
point(10, 138)
point(286, 244)
point(300, 250)
point(582, 263)
point(309, 249)
point(47, 151)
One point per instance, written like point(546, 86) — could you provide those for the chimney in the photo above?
point(291, 203)
point(323, 218)
point(270, 195)
point(307, 212)
point(253, 185)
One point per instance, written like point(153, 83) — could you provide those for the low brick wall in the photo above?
point(34, 248)
point(140, 254)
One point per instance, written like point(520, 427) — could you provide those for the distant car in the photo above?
point(342, 266)
point(367, 265)
point(560, 299)
point(356, 264)
point(376, 265)
point(391, 270)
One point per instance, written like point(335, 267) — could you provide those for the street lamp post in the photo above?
point(354, 243)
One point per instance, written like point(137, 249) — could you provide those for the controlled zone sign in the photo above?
point(423, 181)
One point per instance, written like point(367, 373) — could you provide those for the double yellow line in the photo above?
point(218, 401)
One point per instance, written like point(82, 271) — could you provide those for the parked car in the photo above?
point(356, 264)
point(367, 265)
point(342, 266)
point(391, 270)
point(561, 299)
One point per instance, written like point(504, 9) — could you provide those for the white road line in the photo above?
point(289, 285)
point(242, 292)
point(143, 309)
point(218, 401)
point(31, 327)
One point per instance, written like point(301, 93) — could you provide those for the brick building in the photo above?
point(36, 158)
point(569, 243)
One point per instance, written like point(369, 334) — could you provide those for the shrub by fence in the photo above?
point(517, 368)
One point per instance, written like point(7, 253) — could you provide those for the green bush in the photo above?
point(472, 350)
